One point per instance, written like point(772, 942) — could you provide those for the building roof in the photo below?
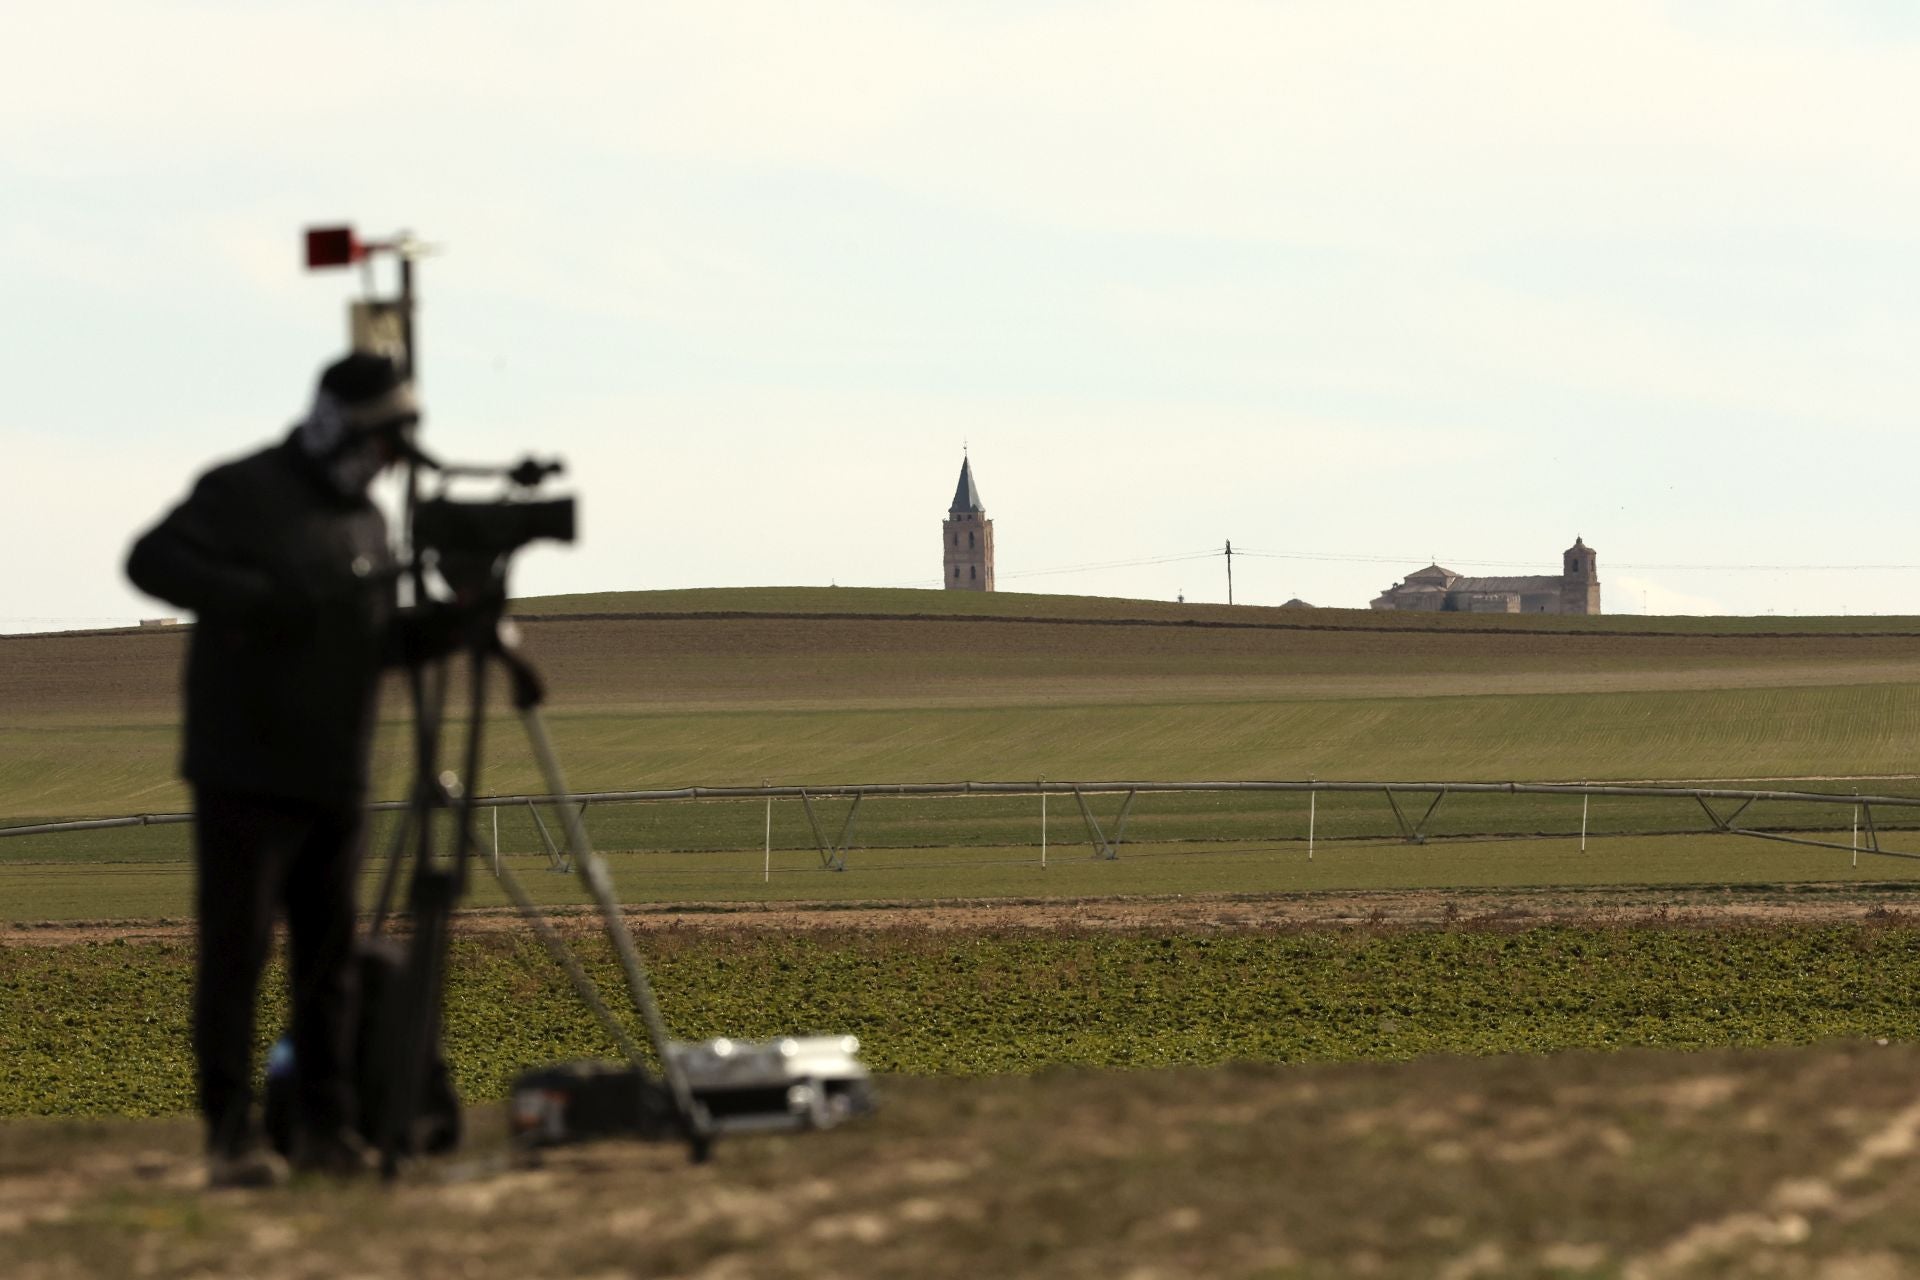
point(966, 497)
point(1507, 586)
point(1431, 573)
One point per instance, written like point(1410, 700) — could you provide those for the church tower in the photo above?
point(1580, 584)
point(966, 538)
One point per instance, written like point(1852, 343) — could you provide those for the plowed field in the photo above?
point(1295, 1108)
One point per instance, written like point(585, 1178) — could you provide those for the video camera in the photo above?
point(470, 540)
point(499, 527)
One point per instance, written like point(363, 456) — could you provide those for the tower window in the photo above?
point(956, 571)
point(969, 539)
point(972, 572)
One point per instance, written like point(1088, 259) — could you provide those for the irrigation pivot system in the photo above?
point(1722, 807)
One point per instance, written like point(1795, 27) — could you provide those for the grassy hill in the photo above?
point(837, 685)
point(1015, 604)
point(850, 685)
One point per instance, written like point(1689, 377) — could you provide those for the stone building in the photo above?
point(1575, 590)
point(966, 538)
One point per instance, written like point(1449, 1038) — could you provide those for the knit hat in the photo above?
point(358, 396)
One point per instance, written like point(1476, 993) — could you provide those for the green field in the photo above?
point(102, 1028)
point(1375, 1150)
point(836, 686)
point(82, 890)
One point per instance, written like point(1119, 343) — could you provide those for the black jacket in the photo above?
point(294, 588)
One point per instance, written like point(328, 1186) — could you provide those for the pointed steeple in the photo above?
point(966, 497)
point(966, 538)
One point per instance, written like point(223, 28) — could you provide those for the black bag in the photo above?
point(581, 1101)
point(385, 1029)
point(382, 1030)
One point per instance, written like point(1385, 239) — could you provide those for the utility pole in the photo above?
point(1229, 570)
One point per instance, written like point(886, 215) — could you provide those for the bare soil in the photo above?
point(730, 660)
point(1624, 905)
point(1794, 1163)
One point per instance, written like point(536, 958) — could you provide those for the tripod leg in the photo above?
point(407, 1028)
point(594, 872)
point(396, 854)
point(583, 984)
point(412, 1027)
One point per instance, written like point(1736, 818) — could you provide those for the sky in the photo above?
point(1354, 285)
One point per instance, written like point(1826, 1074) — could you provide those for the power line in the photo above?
point(1778, 568)
point(1339, 557)
point(1208, 554)
point(1091, 567)
point(1336, 557)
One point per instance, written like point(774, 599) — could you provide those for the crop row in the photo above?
point(101, 1028)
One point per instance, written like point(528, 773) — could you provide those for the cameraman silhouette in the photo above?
point(285, 562)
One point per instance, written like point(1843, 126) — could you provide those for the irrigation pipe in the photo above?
point(1044, 789)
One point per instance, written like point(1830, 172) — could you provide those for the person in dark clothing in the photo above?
point(285, 563)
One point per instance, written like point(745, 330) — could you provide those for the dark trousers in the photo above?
point(256, 854)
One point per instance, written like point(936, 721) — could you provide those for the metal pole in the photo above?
point(1229, 570)
point(1043, 822)
point(594, 872)
point(496, 840)
point(1855, 841)
point(1313, 798)
point(766, 873)
point(408, 354)
point(1584, 800)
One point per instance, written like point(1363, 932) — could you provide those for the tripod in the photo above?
point(400, 1029)
point(406, 1032)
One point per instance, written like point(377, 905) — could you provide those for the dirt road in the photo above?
point(1624, 905)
